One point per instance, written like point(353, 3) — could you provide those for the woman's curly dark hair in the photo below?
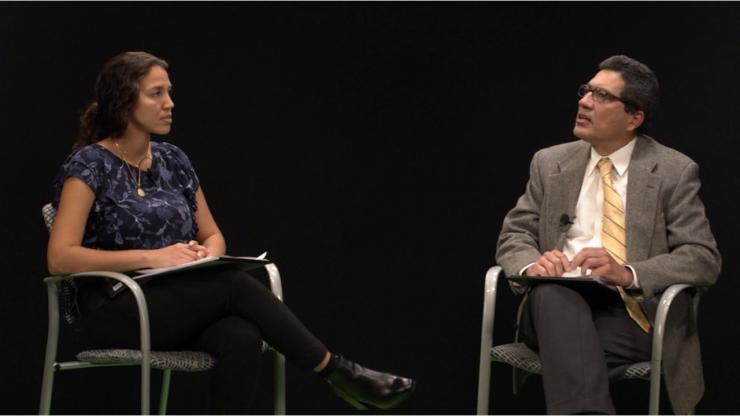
point(116, 91)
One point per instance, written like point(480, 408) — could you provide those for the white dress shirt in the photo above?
point(586, 228)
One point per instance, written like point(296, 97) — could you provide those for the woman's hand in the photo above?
point(198, 248)
point(177, 254)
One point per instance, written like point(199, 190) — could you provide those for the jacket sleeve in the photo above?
point(692, 256)
point(518, 244)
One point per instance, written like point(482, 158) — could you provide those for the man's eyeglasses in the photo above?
point(601, 95)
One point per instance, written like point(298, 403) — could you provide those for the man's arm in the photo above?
point(518, 243)
point(692, 255)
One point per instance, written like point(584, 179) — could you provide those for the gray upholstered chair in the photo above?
point(60, 289)
point(525, 362)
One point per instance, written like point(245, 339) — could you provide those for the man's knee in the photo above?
point(556, 299)
point(549, 291)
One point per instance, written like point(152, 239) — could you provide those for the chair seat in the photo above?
point(188, 361)
point(519, 355)
point(639, 370)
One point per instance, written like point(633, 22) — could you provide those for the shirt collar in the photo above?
point(620, 159)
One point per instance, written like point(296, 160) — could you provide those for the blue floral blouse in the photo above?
point(120, 219)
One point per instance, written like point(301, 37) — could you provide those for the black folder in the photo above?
point(141, 276)
point(529, 280)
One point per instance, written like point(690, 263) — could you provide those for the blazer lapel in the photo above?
point(564, 186)
point(643, 187)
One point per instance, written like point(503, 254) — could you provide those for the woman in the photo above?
point(125, 202)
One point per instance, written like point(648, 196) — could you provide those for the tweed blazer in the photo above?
point(669, 239)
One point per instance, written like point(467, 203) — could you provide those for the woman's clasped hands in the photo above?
point(178, 253)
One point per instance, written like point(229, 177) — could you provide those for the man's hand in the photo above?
point(552, 263)
point(603, 265)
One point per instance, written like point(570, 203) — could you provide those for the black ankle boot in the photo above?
point(361, 386)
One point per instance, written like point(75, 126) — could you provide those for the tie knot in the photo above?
point(605, 166)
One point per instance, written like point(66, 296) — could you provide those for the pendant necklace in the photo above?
point(136, 179)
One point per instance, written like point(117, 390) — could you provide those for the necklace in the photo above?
point(136, 179)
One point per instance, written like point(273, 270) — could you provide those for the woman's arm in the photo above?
point(209, 235)
point(66, 255)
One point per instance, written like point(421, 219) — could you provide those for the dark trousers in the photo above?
point(585, 338)
point(222, 311)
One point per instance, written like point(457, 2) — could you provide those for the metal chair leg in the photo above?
point(658, 331)
point(279, 384)
point(52, 339)
point(164, 396)
point(46, 391)
point(144, 332)
point(276, 287)
point(484, 367)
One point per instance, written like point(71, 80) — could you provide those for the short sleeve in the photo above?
point(184, 169)
point(189, 171)
point(182, 172)
point(82, 165)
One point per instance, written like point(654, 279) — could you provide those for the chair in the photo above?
point(525, 362)
point(59, 291)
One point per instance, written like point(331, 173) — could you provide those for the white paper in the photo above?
point(179, 266)
point(195, 263)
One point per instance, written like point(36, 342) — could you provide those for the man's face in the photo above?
point(604, 122)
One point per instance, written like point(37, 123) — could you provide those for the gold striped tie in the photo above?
point(614, 238)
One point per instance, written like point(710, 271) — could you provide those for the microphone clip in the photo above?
point(565, 222)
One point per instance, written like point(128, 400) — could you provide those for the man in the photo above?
point(635, 220)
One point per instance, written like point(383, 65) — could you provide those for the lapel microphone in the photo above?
point(565, 222)
point(152, 174)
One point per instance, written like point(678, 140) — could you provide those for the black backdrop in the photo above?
point(373, 149)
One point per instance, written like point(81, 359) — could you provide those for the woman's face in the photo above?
point(152, 112)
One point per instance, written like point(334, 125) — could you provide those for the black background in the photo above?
point(373, 149)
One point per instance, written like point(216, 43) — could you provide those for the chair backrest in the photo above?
point(49, 214)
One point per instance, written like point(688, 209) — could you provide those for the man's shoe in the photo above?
point(361, 386)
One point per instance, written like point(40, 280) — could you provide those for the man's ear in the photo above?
point(636, 120)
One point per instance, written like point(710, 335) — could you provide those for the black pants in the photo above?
point(585, 338)
point(222, 311)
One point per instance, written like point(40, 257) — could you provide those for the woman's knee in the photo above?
point(232, 334)
point(236, 281)
point(243, 334)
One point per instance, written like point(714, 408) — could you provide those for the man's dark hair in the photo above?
point(641, 87)
point(116, 92)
